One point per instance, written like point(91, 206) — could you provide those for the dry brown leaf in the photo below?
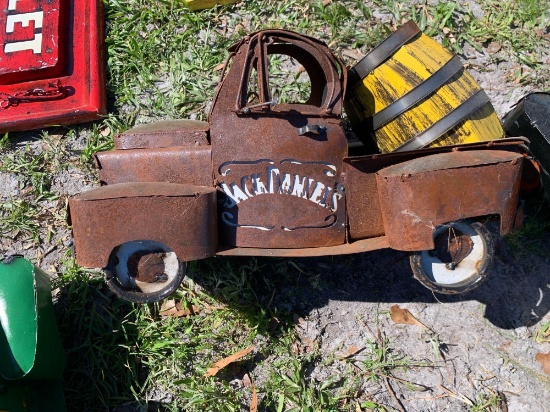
point(352, 351)
point(307, 344)
point(296, 348)
point(212, 371)
point(404, 317)
point(173, 308)
point(544, 360)
point(353, 54)
point(493, 47)
point(254, 401)
point(218, 67)
point(247, 381)
point(298, 320)
point(326, 2)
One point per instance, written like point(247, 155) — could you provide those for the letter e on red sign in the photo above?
point(31, 46)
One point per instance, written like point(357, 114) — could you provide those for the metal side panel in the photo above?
point(164, 133)
point(182, 217)
point(421, 194)
point(183, 165)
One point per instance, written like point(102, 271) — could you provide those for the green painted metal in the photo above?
point(31, 354)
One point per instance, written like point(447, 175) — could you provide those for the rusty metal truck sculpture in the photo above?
point(264, 178)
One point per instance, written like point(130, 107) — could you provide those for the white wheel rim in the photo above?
point(171, 265)
point(438, 272)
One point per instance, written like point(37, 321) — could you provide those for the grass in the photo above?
point(163, 62)
point(533, 236)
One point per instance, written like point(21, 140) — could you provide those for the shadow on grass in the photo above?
point(516, 292)
point(108, 365)
point(98, 331)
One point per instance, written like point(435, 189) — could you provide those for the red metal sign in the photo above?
point(30, 32)
point(51, 66)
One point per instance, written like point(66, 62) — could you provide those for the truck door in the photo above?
point(278, 164)
point(51, 65)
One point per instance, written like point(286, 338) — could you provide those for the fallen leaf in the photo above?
point(353, 54)
point(502, 401)
point(254, 401)
point(247, 381)
point(296, 348)
point(326, 2)
point(352, 351)
point(106, 132)
point(404, 317)
point(307, 344)
point(176, 309)
point(218, 67)
point(298, 321)
point(212, 371)
point(544, 360)
point(493, 47)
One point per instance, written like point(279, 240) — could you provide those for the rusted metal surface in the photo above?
point(359, 246)
point(147, 267)
point(452, 246)
point(421, 194)
point(144, 271)
point(364, 212)
point(274, 179)
point(52, 69)
point(186, 165)
point(182, 217)
point(166, 133)
point(278, 167)
point(459, 262)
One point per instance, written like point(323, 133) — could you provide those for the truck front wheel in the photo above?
point(144, 271)
point(459, 262)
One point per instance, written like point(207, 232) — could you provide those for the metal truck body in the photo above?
point(264, 178)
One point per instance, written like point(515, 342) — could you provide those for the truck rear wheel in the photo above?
point(144, 271)
point(459, 262)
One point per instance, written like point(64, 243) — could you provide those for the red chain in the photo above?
point(55, 91)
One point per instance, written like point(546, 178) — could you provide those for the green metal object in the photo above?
point(31, 354)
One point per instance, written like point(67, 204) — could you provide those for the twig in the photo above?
point(458, 396)
point(394, 396)
point(426, 398)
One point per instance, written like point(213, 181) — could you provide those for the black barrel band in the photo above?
point(424, 89)
point(382, 52)
point(432, 133)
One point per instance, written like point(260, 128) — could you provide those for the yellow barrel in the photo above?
point(410, 92)
point(206, 4)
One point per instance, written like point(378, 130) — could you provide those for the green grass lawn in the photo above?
point(163, 63)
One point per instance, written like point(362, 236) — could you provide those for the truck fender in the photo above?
point(419, 195)
point(181, 217)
